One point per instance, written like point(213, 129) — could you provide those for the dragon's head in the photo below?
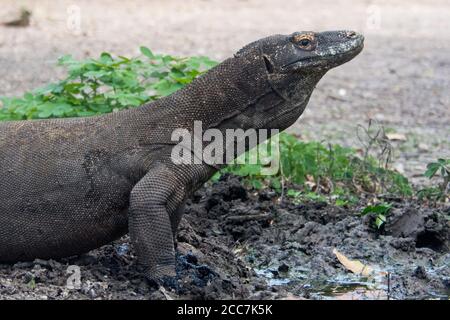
point(293, 64)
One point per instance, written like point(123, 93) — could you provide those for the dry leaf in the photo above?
point(396, 136)
point(354, 266)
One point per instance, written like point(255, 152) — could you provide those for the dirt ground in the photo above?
point(234, 243)
point(401, 79)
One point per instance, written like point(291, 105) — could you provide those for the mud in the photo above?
point(236, 243)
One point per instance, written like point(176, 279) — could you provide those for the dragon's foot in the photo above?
point(161, 275)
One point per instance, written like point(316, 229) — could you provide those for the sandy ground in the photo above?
point(401, 79)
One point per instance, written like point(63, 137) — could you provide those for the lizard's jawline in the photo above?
point(325, 59)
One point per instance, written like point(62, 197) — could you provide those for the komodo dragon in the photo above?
point(71, 185)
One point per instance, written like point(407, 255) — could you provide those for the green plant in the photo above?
point(379, 211)
point(373, 175)
point(439, 168)
point(325, 170)
point(106, 84)
point(32, 283)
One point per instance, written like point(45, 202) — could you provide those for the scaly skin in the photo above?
point(71, 185)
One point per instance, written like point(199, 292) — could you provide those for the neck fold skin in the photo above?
point(223, 93)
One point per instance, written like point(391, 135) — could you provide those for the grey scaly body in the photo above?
point(71, 185)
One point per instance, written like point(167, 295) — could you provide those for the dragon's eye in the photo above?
point(305, 42)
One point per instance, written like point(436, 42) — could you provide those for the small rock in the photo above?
point(54, 264)
point(43, 263)
point(92, 294)
point(204, 271)
point(191, 258)
point(122, 249)
point(283, 268)
point(420, 273)
point(275, 273)
point(21, 265)
point(260, 286)
point(28, 276)
point(423, 147)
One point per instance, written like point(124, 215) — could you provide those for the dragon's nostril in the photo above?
point(350, 34)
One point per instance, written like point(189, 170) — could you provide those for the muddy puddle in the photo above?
point(236, 243)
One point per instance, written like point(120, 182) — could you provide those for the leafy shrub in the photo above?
point(330, 170)
point(106, 84)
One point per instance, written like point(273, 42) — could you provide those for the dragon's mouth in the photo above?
point(331, 59)
point(300, 62)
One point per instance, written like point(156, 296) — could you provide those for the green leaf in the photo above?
point(96, 74)
point(256, 184)
point(432, 168)
point(106, 57)
point(216, 176)
point(276, 184)
point(147, 52)
point(380, 220)
point(73, 88)
point(167, 59)
point(341, 202)
point(56, 109)
point(293, 193)
point(378, 209)
point(66, 59)
point(32, 284)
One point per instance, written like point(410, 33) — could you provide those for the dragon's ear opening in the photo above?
point(268, 63)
